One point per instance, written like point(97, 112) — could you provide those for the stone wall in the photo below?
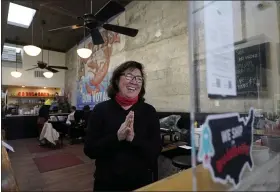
point(70, 75)
point(162, 46)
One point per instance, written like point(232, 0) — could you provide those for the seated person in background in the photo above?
point(42, 117)
point(48, 134)
point(54, 104)
point(56, 117)
point(76, 128)
point(71, 116)
point(86, 113)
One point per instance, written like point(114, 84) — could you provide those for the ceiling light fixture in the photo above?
point(32, 50)
point(20, 16)
point(48, 74)
point(16, 74)
point(84, 52)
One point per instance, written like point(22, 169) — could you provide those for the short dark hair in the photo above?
point(113, 88)
point(73, 107)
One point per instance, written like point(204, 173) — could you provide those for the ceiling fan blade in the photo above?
point(31, 68)
point(96, 37)
point(51, 69)
point(58, 67)
point(109, 10)
point(67, 28)
point(122, 30)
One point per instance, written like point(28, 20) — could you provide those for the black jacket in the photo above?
point(122, 160)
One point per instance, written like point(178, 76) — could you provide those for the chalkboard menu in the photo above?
point(250, 67)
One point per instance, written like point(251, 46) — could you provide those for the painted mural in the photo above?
point(93, 75)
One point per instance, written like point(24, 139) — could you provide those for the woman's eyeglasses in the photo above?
point(130, 77)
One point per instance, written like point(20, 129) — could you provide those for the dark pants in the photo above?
point(128, 183)
point(40, 123)
point(76, 132)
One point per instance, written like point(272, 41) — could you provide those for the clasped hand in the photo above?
point(126, 131)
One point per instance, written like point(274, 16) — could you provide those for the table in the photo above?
point(182, 181)
point(260, 132)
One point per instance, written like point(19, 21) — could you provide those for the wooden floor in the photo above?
point(76, 178)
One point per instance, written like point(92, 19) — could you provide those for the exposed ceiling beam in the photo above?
point(4, 15)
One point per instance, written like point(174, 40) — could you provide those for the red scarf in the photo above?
point(124, 101)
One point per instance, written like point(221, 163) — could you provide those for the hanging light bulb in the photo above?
point(32, 50)
point(16, 74)
point(48, 74)
point(84, 53)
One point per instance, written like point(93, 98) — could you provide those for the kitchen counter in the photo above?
point(36, 115)
point(7, 116)
point(23, 126)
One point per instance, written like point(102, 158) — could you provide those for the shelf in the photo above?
point(31, 97)
point(30, 104)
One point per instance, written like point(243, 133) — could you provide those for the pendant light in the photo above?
point(32, 50)
point(48, 74)
point(16, 74)
point(84, 52)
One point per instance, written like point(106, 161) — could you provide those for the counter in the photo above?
point(20, 126)
point(265, 177)
point(182, 181)
point(23, 126)
point(28, 115)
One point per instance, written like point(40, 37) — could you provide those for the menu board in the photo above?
point(250, 68)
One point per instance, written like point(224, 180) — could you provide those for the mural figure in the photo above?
point(93, 77)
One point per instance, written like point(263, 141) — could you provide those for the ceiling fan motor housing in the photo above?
point(42, 65)
point(90, 21)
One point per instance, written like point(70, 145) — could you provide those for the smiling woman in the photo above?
point(124, 133)
point(129, 75)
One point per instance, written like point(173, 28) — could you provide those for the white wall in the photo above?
point(28, 79)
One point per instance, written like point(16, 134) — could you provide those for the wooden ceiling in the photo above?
point(56, 13)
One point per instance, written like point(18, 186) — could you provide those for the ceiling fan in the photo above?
point(44, 65)
point(93, 22)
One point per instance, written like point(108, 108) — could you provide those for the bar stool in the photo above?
point(182, 162)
